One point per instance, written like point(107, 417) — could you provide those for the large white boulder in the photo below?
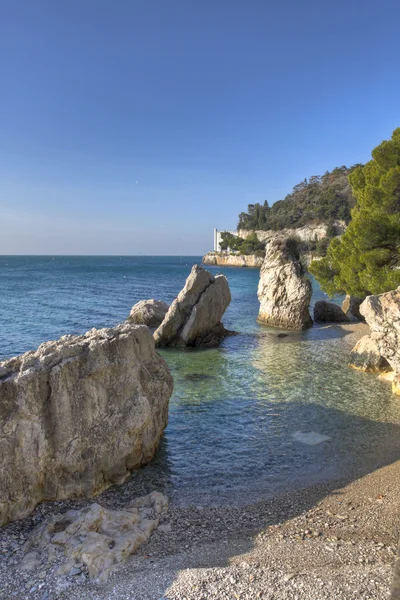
point(284, 291)
point(78, 414)
point(194, 317)
point(382, 313)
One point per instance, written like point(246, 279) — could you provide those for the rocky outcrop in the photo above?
point(365, 356)
point(328, 312)
point(78, 414)
point(194, 317)
point(94, 539)
point(308, 233)
point(382, 313)
point(233, 260)
point(148, 312)
point(351, 307)
point(284, 291)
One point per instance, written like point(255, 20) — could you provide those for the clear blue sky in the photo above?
point(134, 126)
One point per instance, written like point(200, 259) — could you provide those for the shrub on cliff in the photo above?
point(250, 245)
point(325, 198)
point(366, 259)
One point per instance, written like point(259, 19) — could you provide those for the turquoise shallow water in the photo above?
point(239, 413)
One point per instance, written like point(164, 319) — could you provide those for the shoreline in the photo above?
point(317, 542)
point(332, 540)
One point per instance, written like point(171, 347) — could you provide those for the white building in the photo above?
point(218, 238)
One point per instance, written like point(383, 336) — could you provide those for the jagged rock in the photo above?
point(365, 356)
point(148, 312)
point(96, 538)
point(78, 414)
point(329, 312)
point(351, 307)
point(284, 291)
point(194, 317)
point(382, 314)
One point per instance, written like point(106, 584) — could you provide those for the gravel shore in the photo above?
point(313, 544)
point(335, 541)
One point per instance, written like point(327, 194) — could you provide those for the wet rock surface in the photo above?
point(328, 312)
point(78, 414)
point(365, 356)
point(284, 291)
point(194, 317)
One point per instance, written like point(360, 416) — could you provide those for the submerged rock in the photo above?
point(382, 313)
point(365, 356)
point(194, 317)
point(284, 291)
point(148, 312)
point(351, 307)
point(329, 312)
point(95, 538)
point(78, 414)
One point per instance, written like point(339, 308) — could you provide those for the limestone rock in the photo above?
point(148, 312)
point(194, 317)
point(233, 260)
point(365, 356)
point(329, 312)
point(382, 313)
point(283, 290)
point(78, 414)
point(351, 307)
point(96, 537)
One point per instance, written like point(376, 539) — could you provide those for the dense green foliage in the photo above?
point(366, 259)
point(323, 198)
point(250, 245)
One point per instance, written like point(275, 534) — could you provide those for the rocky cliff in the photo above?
point(78, 414)
point(232, 260)
point(309, 233)
point(283, 290)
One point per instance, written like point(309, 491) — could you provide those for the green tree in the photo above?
point(366, 259)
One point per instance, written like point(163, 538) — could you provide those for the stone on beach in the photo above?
point(96, 537)
point(194, 317)
point(382, 313)
point(329, 312)
point(284, 291)
point(351, 307)
point(78, 414)
point(365, 356)
point(148, 312)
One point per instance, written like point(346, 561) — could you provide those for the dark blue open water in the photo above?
point(239, 412)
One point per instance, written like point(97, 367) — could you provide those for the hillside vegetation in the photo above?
point(320, 198)
point(366, 259)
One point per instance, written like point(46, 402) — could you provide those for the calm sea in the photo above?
point(245, 418)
